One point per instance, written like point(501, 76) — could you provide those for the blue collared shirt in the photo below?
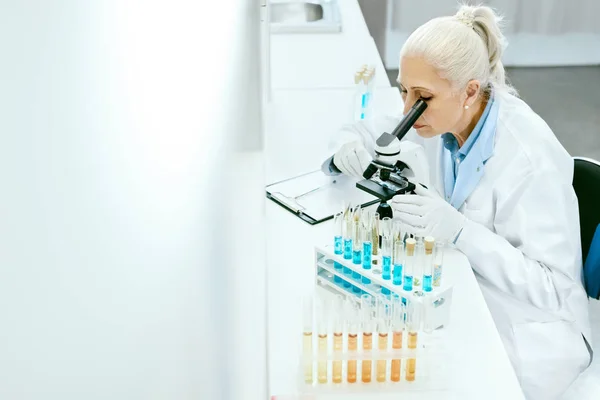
point(455, 155)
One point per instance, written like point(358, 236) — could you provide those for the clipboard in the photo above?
point(315, 197)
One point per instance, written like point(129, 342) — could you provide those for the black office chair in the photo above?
point(586, 182)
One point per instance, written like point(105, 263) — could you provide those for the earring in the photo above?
point(466, 107)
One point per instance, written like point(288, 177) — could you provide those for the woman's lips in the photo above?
point(416, 126)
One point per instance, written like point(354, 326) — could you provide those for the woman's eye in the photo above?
point(426, 98)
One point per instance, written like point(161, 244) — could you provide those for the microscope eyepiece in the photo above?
point(404, 126)
point(409, 119)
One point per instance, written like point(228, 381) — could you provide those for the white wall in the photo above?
point(115, 117)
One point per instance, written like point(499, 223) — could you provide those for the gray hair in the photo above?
point(468, 45)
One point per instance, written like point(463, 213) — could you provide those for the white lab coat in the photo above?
point(522, 240)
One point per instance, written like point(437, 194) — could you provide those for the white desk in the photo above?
point(297, 129)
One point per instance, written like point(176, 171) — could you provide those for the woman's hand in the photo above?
point(427, 214)
point(352, 159)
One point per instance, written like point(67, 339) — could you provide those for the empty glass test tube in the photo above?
point(307, 339)
point(409, 262)
point(386, 251)
point(338, 246)
point(428, 264)
point(338, 338)
point(438, 261)
point(418, 265)
point(412, 326)
point(397, 332)
point(383, 327)
point(368, 326)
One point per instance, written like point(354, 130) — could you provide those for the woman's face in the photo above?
point(445, 107)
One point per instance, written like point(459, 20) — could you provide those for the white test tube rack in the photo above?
point(436, 303)
point(433, 358)
point(432, 370)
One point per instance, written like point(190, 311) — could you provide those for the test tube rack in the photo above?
point(431, 361)
point(436, 303)
point(366, 353)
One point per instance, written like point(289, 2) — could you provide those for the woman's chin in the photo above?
point(426, 132)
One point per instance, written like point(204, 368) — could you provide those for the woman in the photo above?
point(501, 192)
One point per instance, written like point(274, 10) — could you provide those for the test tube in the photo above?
point(375, 236)
point(347, 244)
point(360, 97)
point(307, 339)
point(365, 96)
point(352, 324)
point(412, 326)
point(386, 251)
point(383, 327)
point(409, 262)
point(338, 227)
point(438, 261)
point(398, 256)
point(367, 328)
point(356, 246)
point(367, 244)
point(398, 330)
point(428, 264)
point(418, 265)
point(338, 338)
point(356, 236)
point(323, 329)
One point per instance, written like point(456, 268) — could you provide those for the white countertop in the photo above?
point(325, 60)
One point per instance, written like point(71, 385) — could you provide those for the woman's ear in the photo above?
point(472, 92)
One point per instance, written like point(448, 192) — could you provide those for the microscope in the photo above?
point(394, 162)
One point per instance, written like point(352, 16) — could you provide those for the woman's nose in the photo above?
point(409, 101)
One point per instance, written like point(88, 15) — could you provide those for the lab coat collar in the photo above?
point(472, 167)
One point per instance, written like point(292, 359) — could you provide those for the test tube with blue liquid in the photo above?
point(367, 244)
point(409, 263)
point(338, 226)
point(356, 236)
point(428, 264)
point(398, 255)
point(356, 246)
point(386, 251)
point(347, 243)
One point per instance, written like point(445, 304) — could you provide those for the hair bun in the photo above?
point(465, 16)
